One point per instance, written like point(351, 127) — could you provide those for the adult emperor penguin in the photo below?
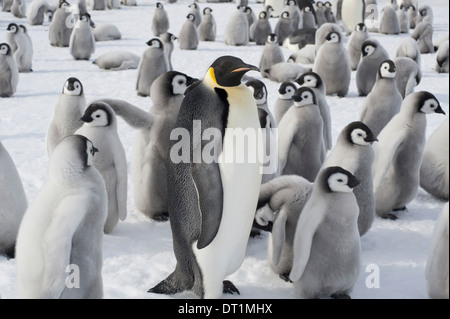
point(389, 23)
point(399, 152)
point(207, 30)
point(434, 171)
point(194, 8)
point(148, 168)
point(373, 53)
point(59, 30)
point(272, 54)
point(327, 233)
point(260, 29)
point(21, 46)
point(13, 203)
point(285, 99)
point(100, 126)
point(408, 75)
point(210, 198)
point(9, 73)
point(82, 40)
point(63, 228)
point(284, 197)
point(160, 21)
point(269, 130)
point(237, 30)
point(354, 44)
point(283, 27)
point(301, 147)
point(423, 34)
point(354, 152)
point(409, 48)
point(153, 63)
point(188, 37)
point(384, 101)
point(314, 81)
point(352, 13)
point(65, 119)
point(333, 65)
point(442, 57)
point(436, 271)
point(37, 10)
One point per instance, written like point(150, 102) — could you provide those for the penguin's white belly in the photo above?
point(241, 183)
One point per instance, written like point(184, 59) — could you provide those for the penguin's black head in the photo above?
point(319, 4)
point(368, 47)
point(262, 15)
point(427, 103)
point(248, 10)
point(86, 150)
point(272, 38)
point(360, 27)
point(285, 15)
point(335, 179)
point(24, 28)
point(333, 37)
point(328, 4)
point(193, 5)
point(304, 96)
point(155, 43)
point(287, 90)
point(207, 10)
point(228, 70)
point(72, 86)
point(413, 8)
point(387, 69)
point(174, 83)
point(98, 114)
point(12, 28)
point(359, 133)
point(190, 17)
point(423, 12)
point(5, 49)
point(259, 89)
point(310, 79)
point(63, 3)
point(159, 5)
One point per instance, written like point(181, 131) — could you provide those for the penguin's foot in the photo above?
point(255, 233)
point(166, 287)
point(11, 252)
point(142, 94)
point(389, 216)
point(161, 217)
point(229, 288)
point(340, 295)
point(400, 209)
point(285, 277)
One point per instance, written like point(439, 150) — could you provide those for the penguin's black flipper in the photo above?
point(208, 184)
point(229, 288)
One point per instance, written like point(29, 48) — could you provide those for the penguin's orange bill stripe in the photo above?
point(240, 69)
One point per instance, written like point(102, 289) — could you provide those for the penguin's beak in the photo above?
point(371, 139)
point(191, 81)
point(353, 182)
point(246, 69)
point(86, 118)
point(94, 150)
point(439, 110)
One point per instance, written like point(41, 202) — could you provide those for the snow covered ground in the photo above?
point(138, 254)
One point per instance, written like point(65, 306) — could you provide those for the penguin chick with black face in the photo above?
point(188, 36)
point(373, 53)
point(168, 40)
point(13, 203)
point(237, 30)
point(153, 63)
point(295, 14)
point(212, 198)
point(21, 46)
point(100, 126)
point(314, 81)
point(284, 197)
point(434, 170)
point(383, 101)
point(354, 44)
point(66, 114)
point(160, 21)
point(333, 65)
point(272, 54)
point(194, 9)
point(327, 245)
point(59, 30)
point(9, 74)
point(260, 29)
point(354, 152)
point(82, 40)
point(207, 28)
point(403, 19)
point(398, 155)
point(301, 147)
point(283, 27)
point(436, 271)
point(63, 227)
point(284, 101)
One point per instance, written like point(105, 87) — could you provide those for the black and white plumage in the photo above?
point(160, 20)
point(9, 73)
point(207, 29)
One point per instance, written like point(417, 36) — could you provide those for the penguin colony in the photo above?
point(334, 184)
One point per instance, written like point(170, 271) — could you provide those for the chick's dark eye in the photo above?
point(340, 180)
point(180, 82)
point(97, 116)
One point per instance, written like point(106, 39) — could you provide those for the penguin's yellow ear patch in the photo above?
point(212, 75)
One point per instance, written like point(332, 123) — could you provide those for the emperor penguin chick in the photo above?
point(354, 152)
point(9, 73)
point(63, 227)
point(354, 44)
point(188, 36)
point(160, 21)
point(65, 119)
point(100, 126)
point(434, 172)
point(284, 101)
point(399, 152)
point(272, 54)
point(207, 28)
point(82, 40)
point(13, 203)
point(59, 30)
point(327, 232)
point(408, 75)
point(384, 100)
point(237, 30)
point(423, 34)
